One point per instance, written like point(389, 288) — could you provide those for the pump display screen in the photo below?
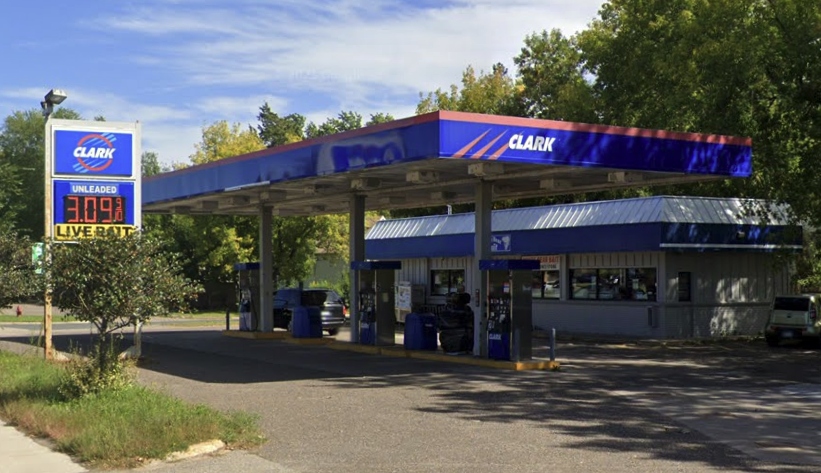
point(97, 209)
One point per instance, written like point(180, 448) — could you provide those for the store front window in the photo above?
point(546, 285)
point(623, 284)
point(445, 281)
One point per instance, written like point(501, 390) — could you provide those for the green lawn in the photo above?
point(114, 429)
point(202, 315)
point(33, 318)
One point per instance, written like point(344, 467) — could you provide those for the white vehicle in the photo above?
point(794, 317)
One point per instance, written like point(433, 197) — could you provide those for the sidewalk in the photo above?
point(22, 454)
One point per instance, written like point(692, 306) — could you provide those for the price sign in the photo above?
point(83, 209)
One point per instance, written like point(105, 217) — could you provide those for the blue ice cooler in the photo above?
point(420, 332)
point(498, 346)
point(306, 322)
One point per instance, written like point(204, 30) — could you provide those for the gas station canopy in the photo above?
point(437, 159)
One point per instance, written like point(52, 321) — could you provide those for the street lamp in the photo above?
point(52, 98)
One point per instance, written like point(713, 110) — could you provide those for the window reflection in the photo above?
point(546, 284)
point(630, 284)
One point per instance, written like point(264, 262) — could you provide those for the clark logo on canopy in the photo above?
point(95, 151)
point(531, 143)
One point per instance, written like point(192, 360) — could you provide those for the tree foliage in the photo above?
point(736, 67)
point(18, 280)
point(150, 164)
point(494, 93)
point(298, 240)
point(553, 85)
point(274, 130)
point(115, 282)
point(22, 168)
point(221, 140)
point(10, 194)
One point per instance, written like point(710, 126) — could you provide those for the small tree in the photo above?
point(116, 282)
point(18, 280)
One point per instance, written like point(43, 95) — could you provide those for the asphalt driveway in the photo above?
point(614, 407)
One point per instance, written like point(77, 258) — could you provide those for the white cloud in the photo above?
point(173, 144)
point(354, 48)
point(306, 56)
point(238, 108)
point(169, 131)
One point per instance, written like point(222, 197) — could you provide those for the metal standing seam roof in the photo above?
point(659, 209)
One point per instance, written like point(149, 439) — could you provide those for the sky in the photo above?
point(179, 65)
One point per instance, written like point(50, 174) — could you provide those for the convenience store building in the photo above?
point(661, 267)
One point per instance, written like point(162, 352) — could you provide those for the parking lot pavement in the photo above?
point(613, 408)
point(760, 400)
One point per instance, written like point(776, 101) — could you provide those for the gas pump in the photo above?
point(248, 295)
point(509, 308)
point(377, 318)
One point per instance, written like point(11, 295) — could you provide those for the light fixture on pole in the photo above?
point(52, 98)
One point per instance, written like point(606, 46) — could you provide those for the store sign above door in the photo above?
point(500, 243)
point(93, 153)
point(549, 263)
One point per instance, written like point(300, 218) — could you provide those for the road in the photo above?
point(614, 407)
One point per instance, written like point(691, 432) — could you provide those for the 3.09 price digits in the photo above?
point(100, 209)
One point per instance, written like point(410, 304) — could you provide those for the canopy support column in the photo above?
point(481, 251)
point(357, 246)
point(266, 270)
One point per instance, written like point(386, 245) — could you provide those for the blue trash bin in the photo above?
point(420, 331)
point(306, 322)
point(367, 333)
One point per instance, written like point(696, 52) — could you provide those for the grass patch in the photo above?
point(202, 323)
point(35, 318)
point(199, 315)
point(23, 318)
point(113, 429)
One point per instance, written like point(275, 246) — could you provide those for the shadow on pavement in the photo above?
point(582, 403)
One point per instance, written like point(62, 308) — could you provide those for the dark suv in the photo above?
point(330, 304)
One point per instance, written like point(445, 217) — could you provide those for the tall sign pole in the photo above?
point(47, 313)
point(93, 185)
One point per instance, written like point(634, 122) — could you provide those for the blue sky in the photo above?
point(177, 65)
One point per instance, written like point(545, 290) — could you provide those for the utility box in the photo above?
point(377, 305)
point(509, 308)
point(248, 295)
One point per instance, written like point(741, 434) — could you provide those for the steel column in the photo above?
point(481, 250)
point(357, 247)
point(266, 269)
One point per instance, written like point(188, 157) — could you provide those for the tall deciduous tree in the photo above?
point(221, 140)
point(210, 245)
point(298, 240)
point(737, 67)
point(151, 164)
point(22, 153)
point(17, 278)
point(494, 93)
point(345, 121)
point(275, 130)
point(552, 79)
point(10, 194)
